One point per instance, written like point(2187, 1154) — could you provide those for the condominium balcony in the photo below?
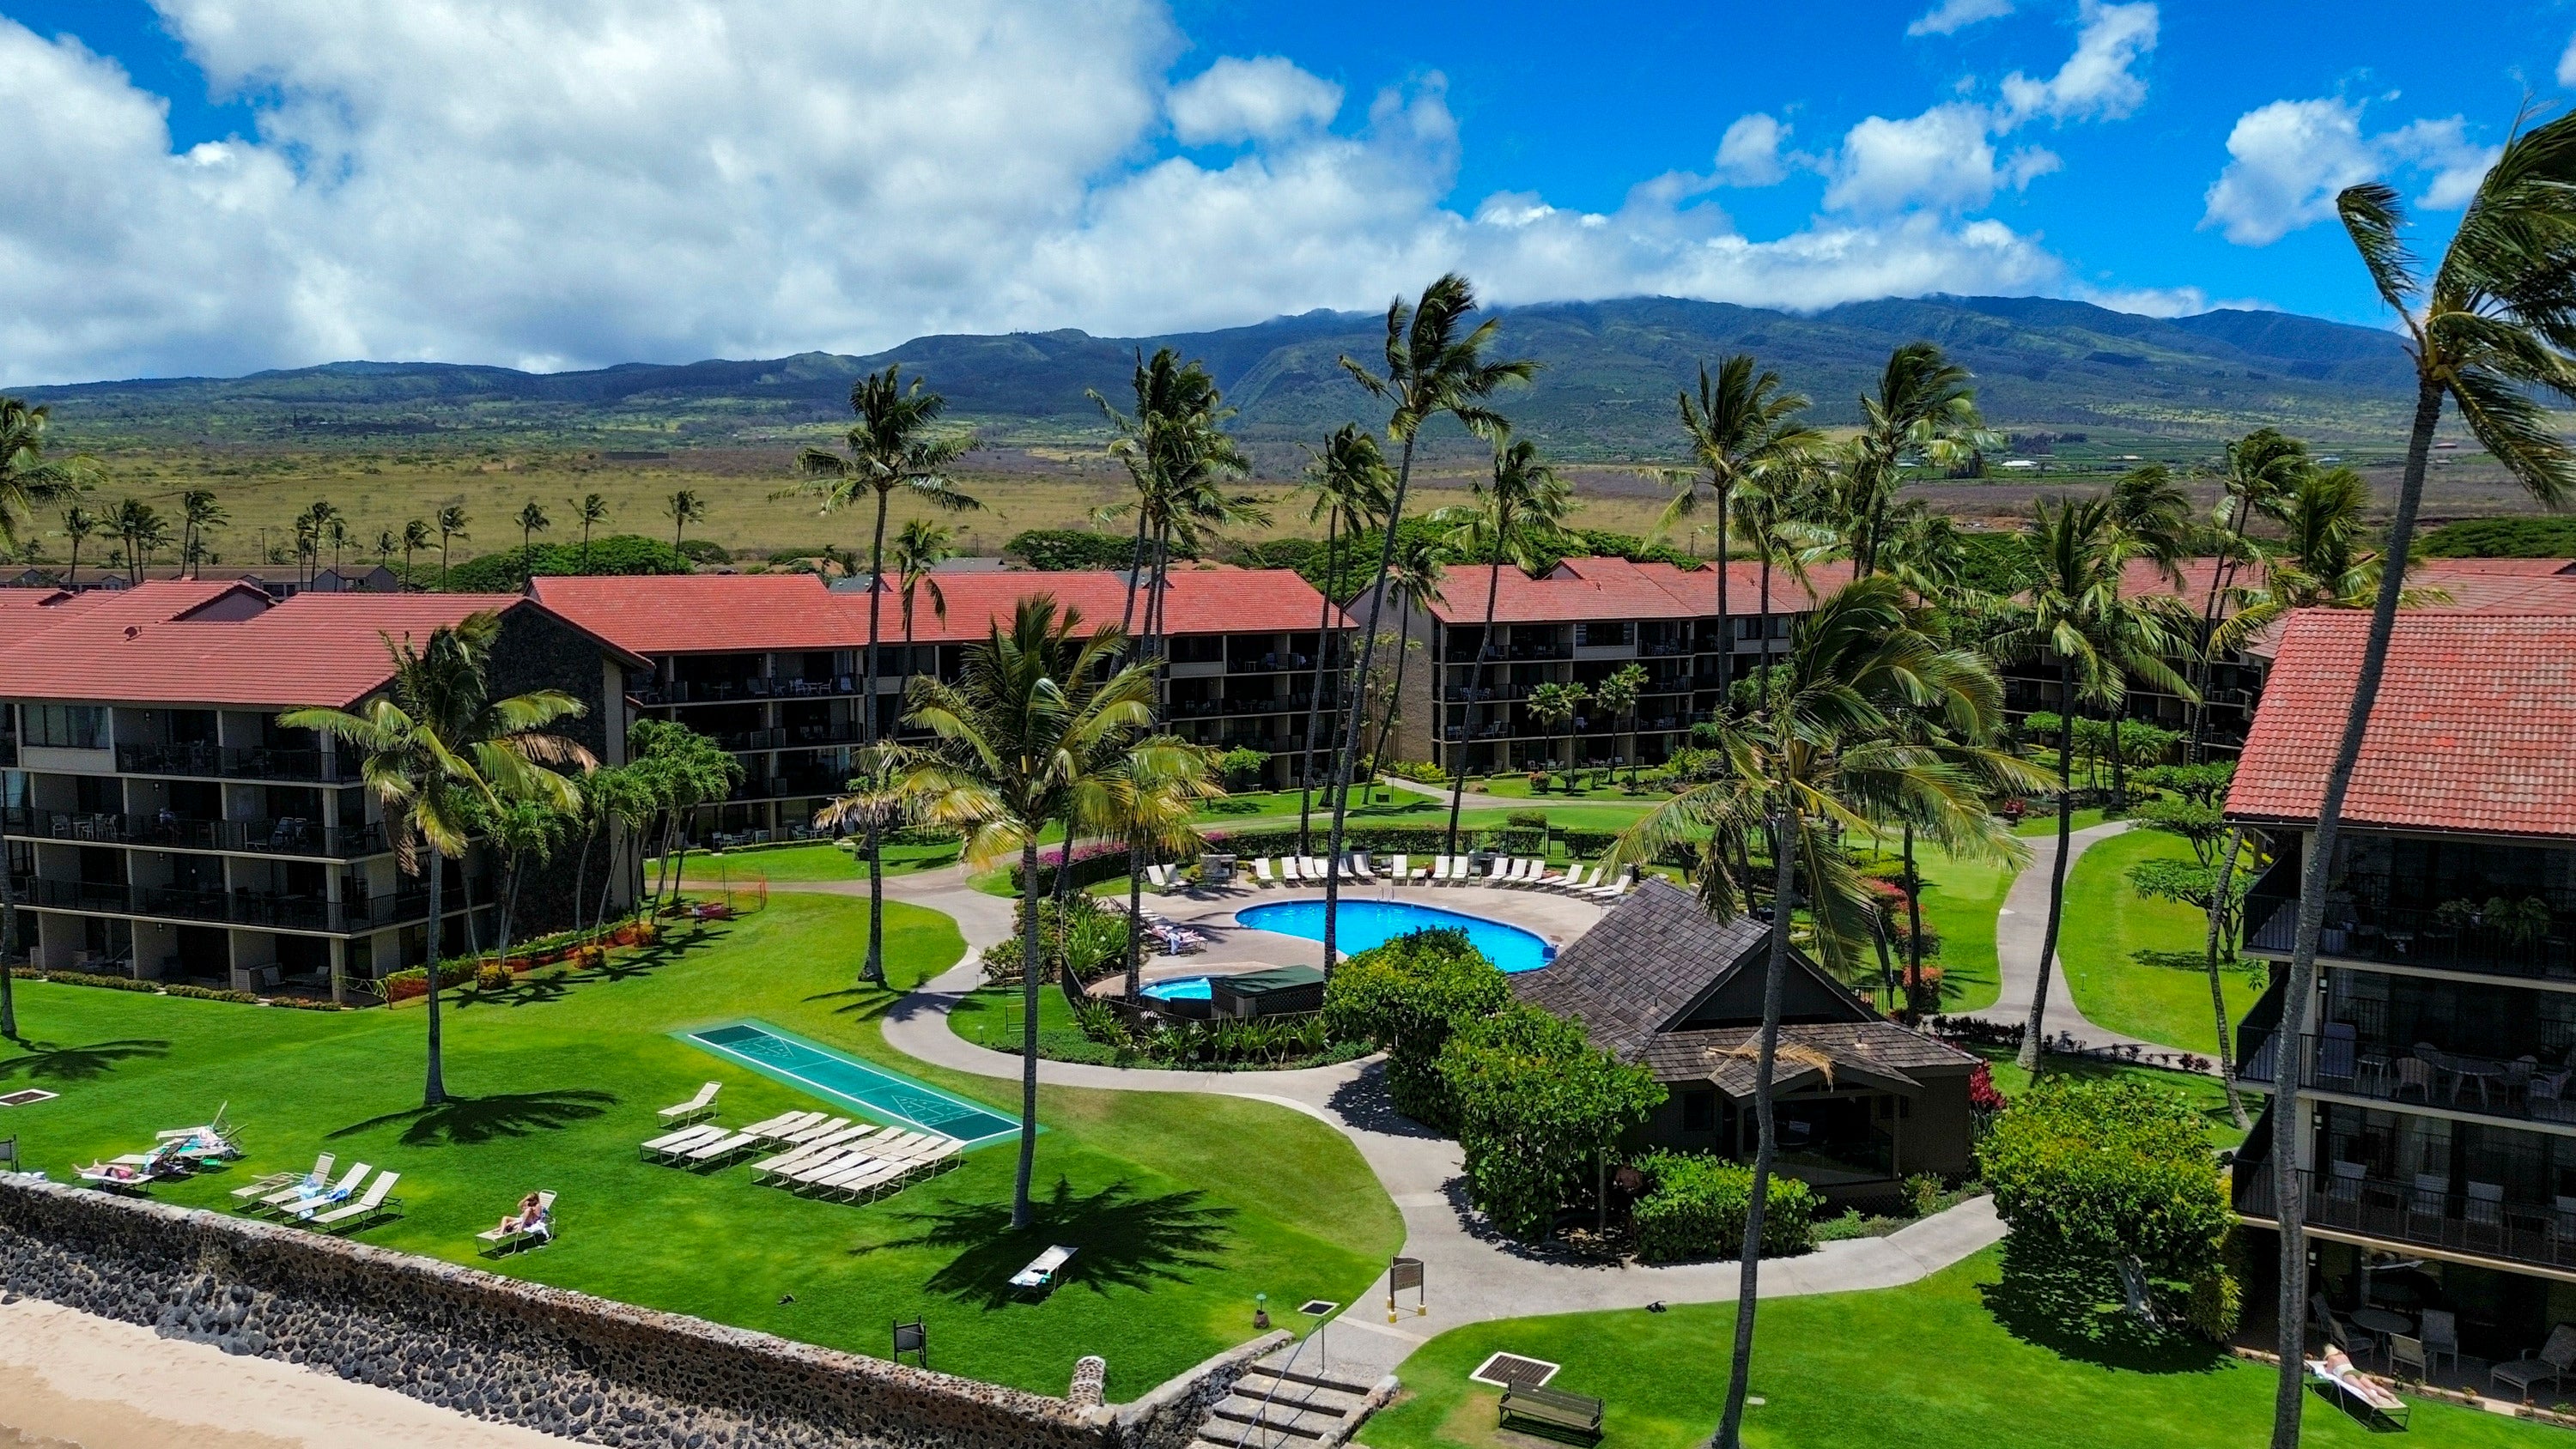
point(791, 784)
point(683, 691)
point(2529, 937)
point(2476, 1220)
point(236, 762)
point(1185, 709)
point(284, 835)
point(796, 737)
point(232, 908)
point(2518, 1089)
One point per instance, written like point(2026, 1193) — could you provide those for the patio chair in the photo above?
point(2518, 1076)
point(2413, 1074)
point(1627, 882)
point(1039, 1277)
point(521, 1229)
point(2485, 1212)
point(274, 1181)
point(299, 1195)
point(2550, 1366)
point(2440, 1331)
point(2428, 1204)
point(701, 1105)
point(377, 1202)
point(2407, 1353)
point(1261, 875)
point(2544, 1096)
point(1444, 869)
point(2334, 1327)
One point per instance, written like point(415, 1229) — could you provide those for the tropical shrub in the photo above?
point(501, 570)
point(1695, 1206)
point(1536, 1104)
point(706, 551)
point(1094, 861)
point(1242, 767)
point(1526, 820)
point(1099, 937)
point(1053, 549)
point(209, 993)
point(86, 978)
point(1407, 996)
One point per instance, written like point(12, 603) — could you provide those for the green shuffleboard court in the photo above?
point(783, 1056)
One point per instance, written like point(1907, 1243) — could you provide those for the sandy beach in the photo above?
point(71, 1381)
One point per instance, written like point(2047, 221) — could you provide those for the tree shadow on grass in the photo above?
point(471, 1121)
point(636, 965)
point(2076, 1312)
point(529, 990)
point(47, 1061)
point(1121, 1240)
point(863, 1003)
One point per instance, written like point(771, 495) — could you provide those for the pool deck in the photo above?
point(1556, 919)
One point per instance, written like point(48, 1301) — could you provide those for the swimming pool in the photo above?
point(1374, 923)
point(1185, 988)
point(819, 1069)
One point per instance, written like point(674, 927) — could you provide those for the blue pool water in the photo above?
point(1374, 923)
point(1186, 988)
point(827, 1073)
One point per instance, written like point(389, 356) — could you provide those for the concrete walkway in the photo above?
point(2021, 927)
point(1472, 1275)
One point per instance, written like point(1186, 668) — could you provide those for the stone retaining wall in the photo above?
point(497, 1348)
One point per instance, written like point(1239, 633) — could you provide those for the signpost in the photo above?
point(1401, 1274)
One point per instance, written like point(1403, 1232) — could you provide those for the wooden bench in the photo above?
point(1552, 1409)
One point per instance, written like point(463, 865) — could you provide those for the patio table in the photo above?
point(2473, 1069)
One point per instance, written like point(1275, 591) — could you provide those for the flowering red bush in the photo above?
point(1981, 1090)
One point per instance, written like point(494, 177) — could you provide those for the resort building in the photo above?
point(2437, 1132)
point(160, 822)
point(1577, 624)
point(772, 665)
point(1860, 1102)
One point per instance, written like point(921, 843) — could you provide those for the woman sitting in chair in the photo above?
point(531, 1212)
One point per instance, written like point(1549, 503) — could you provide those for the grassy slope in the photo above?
point(820, 860)
point(1179, 1225)
point(1925, 1365)
point(2163, 994)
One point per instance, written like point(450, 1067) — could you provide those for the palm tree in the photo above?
point(1413, 582)
point(78, 524)
point(892, 445)
point(1031, 734)
point(532, 521)
point(1925, 412)
point(684, 508)
point(1153, 807)
point(386, 543)
point(685, 770)
point(415, 536)
point(1349, 482)
point(27, 477)
point(2154, 511)
point(1552, 706)
point(139, 527)
point(451, 524)
point(439, 750)
point(1618, 696)
point(1517, 517)
point(2490, 331)
point(1764, 508)
point(198, 511)
point(336, 529)
point(920, 547)
point(1742, 428)
point(2075, 610)
point(2319, 564)
point(592, 510)
point(1818, 761)
point(1177, 455)
point(1430, 371)
point(2262, 469)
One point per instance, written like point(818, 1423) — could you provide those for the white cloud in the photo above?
point(577, 182)
point(2567, 64)
point(1749, 153)
point(1251, 100)
point(1950, 16)
point(2288, 160)
point(2097, 80)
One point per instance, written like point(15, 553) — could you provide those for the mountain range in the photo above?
point(1610, 372)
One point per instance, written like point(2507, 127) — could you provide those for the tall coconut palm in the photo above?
point(1517, 518)
point(1031, 733)
point(28, 478)
point(1412, 584)
point(1924, 413)
point(2490, 329)
point(683, 508)
point(2101, 637)
point(1431, 371)
point(451, 525)
point(1348, 483)
point(2263, 467)
point(2155, 512)
point(415, 537)
point(1152, 806)
point(2320, 562)
point(1553, 706)
point(438, 750)
point(1178, 456)
point(1618, 696)
point(532, 521)
point(920, 547)
point(896, 444)
point(591, 512)
point(139, 526)
point(78, 524)
point(1743, 428)
point(198, 512)
point(1821, 760)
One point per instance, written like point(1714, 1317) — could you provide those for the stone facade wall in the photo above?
point(496, 1348)
point(1169, 1416)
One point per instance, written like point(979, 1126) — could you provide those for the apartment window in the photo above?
point(1699, 1111)
point(67, 726)
point(1599, 635)
point(1197, 648)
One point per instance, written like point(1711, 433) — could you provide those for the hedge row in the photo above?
point(1697, 1206)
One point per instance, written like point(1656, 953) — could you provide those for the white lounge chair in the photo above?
point(1040, 1275)
point(701, 1105)
point(538, 1226)
point(1525, 871)
point(1401, 871)
point(1453, 870)
point(783, 1124)
point(1261, 873)
point(373, 1204)
point(1627, 882)
point(275, 1181)
point(687, 1139)
point(817, 1131)
point(723, 1147)
point(1361, 867)
point(299, 1195)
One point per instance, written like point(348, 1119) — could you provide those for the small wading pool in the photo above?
point(1374, 923)
point(1185, 988)
point(874, 1090)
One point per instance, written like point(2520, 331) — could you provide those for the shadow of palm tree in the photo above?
point(1121, 1240)
point(468, 1121)
point(47, 1061)
point(866, 1003)
point(529, 990)
point(1364, 1102)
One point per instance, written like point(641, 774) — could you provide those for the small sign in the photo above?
point(27, 1098)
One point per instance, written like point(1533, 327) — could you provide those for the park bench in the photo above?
point(1552, 1409)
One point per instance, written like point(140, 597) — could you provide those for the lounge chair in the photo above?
point(684, 1138)
point(1497, 870)
point(301, 1197)
point(2556, 1359)
point(783, 1124)
point(1570, 876)
point(275, 1181)
point(816, 1131)
point(1357, 862)
point(1439, 870)
point(701, 1105)
point(375, 1203)
point(1403, 871)
point(2354, 1388)
point(518, 1232)
point(123, 1174)
point(868, 1181)
point(1318, 870)
point(836, 1144)
point(1292, 870)
point(1526, 871)
point(1627, 882)
point(718, 1150)
point(1582, 878)
point(1039, 1277)
point(1261, 873)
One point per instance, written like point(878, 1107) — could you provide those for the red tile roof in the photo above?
point(729, 613)
point(175, 643)
point(1615, 588)
point(2470, 731)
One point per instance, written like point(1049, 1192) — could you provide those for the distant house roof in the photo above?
point(1642, 981)
point(2472, 585)
point(211, 643)
point(1617, 588)
point(2470, 732)
point(701, 613)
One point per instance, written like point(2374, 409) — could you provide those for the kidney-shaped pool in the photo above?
point(1374, 923)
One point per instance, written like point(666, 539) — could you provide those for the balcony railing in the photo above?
point(287, 835)
point(792, 784)
point(2516, 1091)
point(255, 762)
point(796, 737)
point(1184, 709)
point(2398, 936)
point(2426, 1213)
point(232, 908)
point(737, 691)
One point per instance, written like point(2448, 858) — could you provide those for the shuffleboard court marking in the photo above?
point(783, 1056)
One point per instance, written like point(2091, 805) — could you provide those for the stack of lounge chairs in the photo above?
point(175, 1153)
point(1513, 872)
point(856, 1162)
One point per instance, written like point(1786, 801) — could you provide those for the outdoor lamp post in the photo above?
point(1261, 1310)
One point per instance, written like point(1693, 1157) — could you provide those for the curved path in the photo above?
point(2021, 928)
point(1472, 1275)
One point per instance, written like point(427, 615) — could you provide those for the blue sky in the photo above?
point(224, 184)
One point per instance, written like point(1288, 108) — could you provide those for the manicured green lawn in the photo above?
point(1517, 787)
point(2136, 965)
point(1960, 898)
point(818, 860)
point(2206, 1096)
point(1927, 1366)
point(1183, 1205)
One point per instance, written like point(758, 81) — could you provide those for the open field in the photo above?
point(2136, 966)
point(557, 1079)
point(1947, 1361)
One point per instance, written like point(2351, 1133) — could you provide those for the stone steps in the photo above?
point(1273, 1410)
